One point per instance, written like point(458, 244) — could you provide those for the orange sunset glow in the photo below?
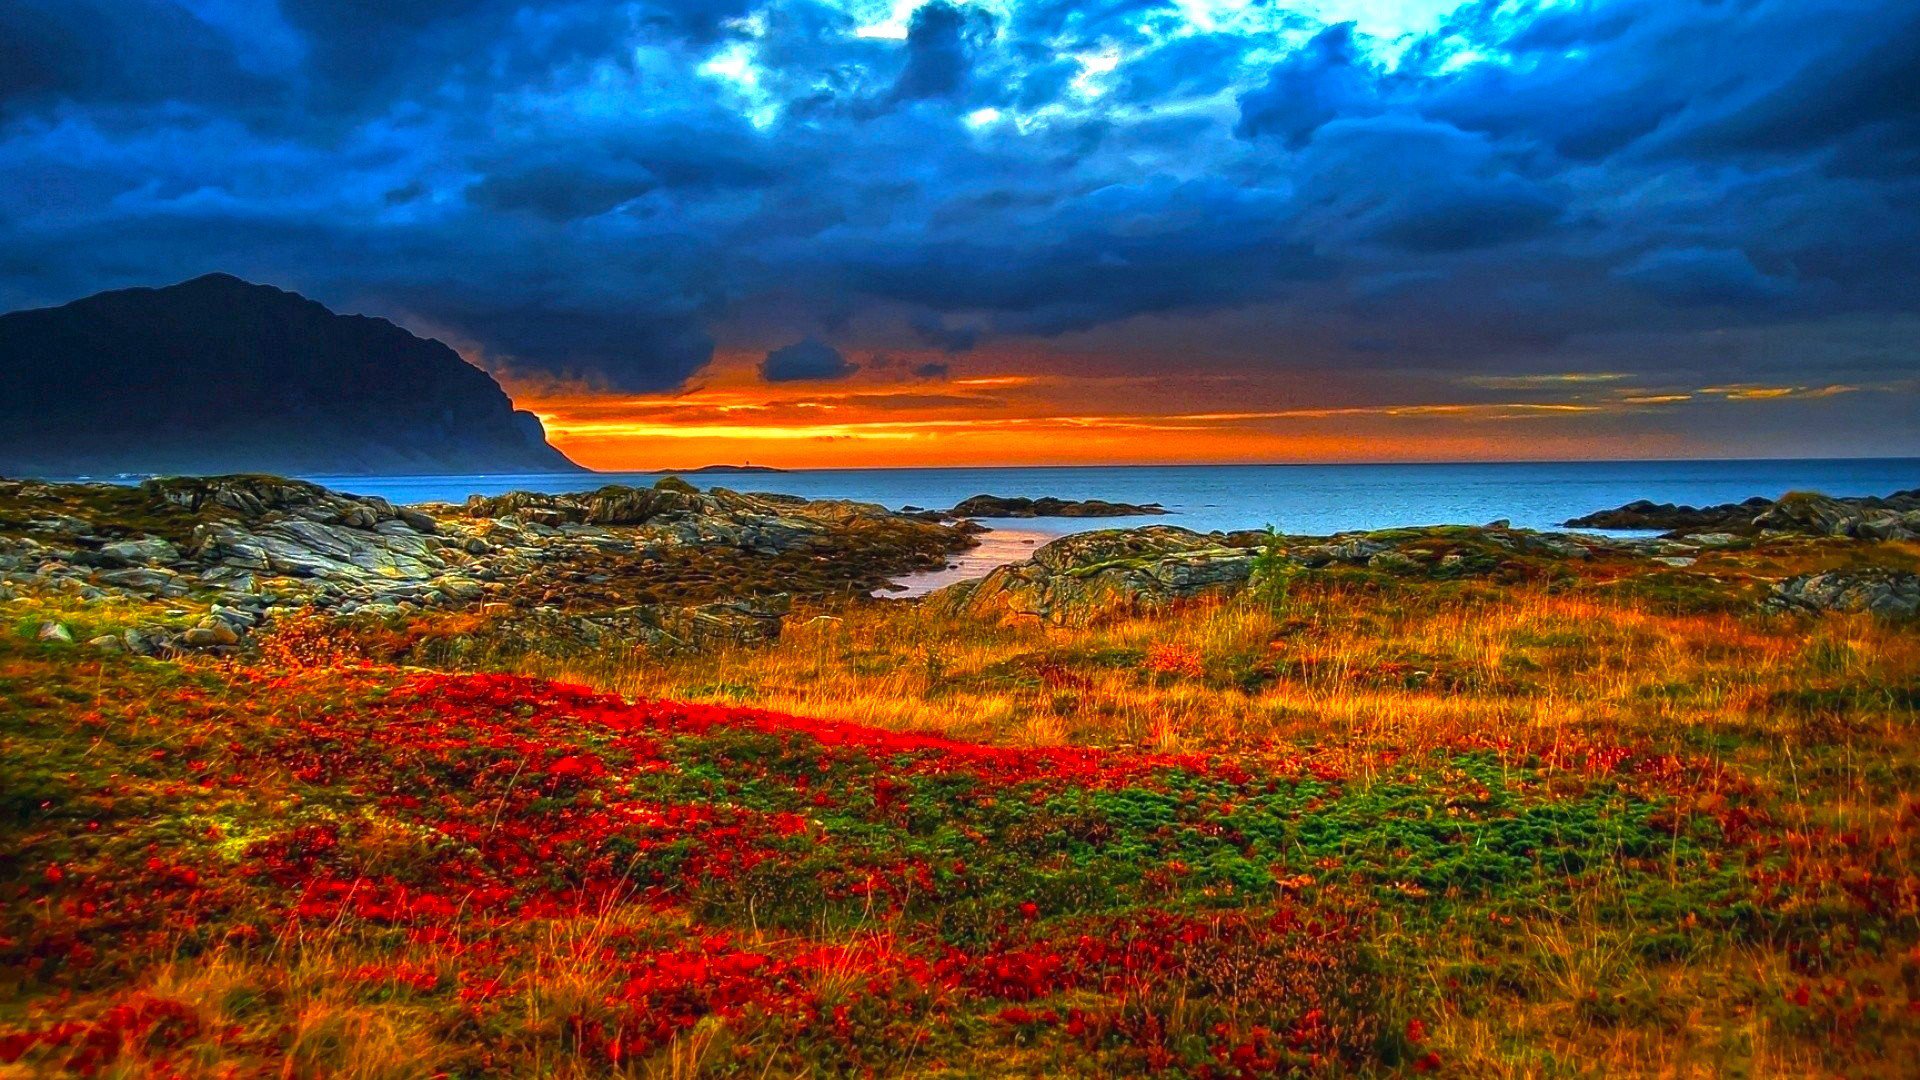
point(729, 414)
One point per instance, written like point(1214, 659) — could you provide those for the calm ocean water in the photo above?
point(1310, 499)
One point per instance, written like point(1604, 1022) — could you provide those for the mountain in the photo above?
point(219, 375)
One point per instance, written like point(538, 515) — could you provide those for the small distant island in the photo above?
point(995, 506)
point(720, 469)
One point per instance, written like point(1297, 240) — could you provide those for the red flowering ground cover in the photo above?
point(387, 873)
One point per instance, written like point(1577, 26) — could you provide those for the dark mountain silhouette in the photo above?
point(219, 375)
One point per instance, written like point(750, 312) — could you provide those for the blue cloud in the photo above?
point(940, 44)
point(117, 53)
point(1326, 80)
point(1183, 67)
point(1421, 186)
point(936, 332)
point(806, 360)
point(1702, 276)
point(604, 189)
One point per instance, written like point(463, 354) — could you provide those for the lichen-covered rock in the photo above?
point(661, 628)
point(1803, 513)
point(1091, 550)
point(1810, 513)
point(1081, 578)
point(211, 632)
point(145, 551)
point(1890, 593)
point(1077, 579)
point(1357, 550)
point(1646, 514)
point(308, 549)
point(1817, 515)
point(1394, 562)
point(614, 504)
point(253, 498)
point(704, 563)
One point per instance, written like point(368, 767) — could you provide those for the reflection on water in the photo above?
point(998, 547)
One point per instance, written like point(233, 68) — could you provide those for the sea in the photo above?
point(1300, 499)
point(1304, 499)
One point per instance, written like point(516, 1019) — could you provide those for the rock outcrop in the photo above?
point(1644, 514)
point(1885, 592)
point(666, 565)
point(994, 506)
point(1081, 578)
point(1078, 578)
point(1895, 517)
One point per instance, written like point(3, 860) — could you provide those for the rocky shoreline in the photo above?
point(1085, 577)
point(206, 562)
point(667, 565)
point(1894, 517)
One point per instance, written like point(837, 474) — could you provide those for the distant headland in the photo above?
point(218, 375)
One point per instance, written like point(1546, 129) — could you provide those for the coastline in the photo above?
point(999, 546)
point(1318, 500)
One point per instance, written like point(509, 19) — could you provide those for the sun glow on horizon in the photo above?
point(886, 418)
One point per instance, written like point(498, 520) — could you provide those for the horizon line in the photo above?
point(1915, 458)
point(1343, 463)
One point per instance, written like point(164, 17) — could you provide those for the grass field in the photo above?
point(1581, 826)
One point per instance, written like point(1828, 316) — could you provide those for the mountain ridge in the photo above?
point(217, 374)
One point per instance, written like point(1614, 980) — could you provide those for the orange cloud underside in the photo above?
point(882, 419)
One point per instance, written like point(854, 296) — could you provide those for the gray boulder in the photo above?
point(1077, 579)
point(145, 551)
point(1889, 593)
point(1892, 517)
point(310, 549)
point(1816, 515)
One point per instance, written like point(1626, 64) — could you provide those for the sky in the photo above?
point(880, 232)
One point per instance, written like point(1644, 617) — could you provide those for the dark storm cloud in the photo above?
point(1704, 276)
point(1421, 186)
point(941, 41)
point(806, 360)
point(585, 174)
point(936, 332)
point(1112, 253)
point(602, 190)
point(116, 52)
point(1864, 79)
point(1323, 81)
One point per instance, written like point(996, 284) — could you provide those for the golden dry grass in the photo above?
point(1338, 664)
point(1807, 723)
point(1815, 715)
